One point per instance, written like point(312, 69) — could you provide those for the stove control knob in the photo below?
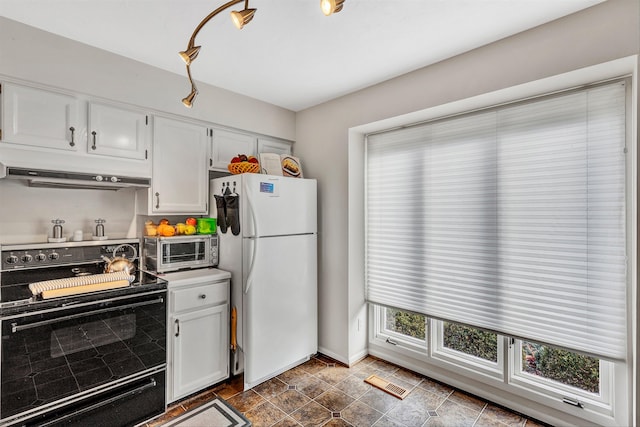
point(27, 258)
point(114, 179)
point(12, 259)
point(99, 178)
point(41, 257)
point(54, 256)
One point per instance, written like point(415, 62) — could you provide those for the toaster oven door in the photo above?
point(179, 254)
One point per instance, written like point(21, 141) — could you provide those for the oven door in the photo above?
point(53, 357)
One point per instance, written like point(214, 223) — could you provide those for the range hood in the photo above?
point(56, 179)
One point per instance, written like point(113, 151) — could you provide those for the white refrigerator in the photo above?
point(271, 253)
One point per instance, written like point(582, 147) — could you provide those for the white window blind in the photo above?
point(511, 220)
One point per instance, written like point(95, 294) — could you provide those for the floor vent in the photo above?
point(387, 386)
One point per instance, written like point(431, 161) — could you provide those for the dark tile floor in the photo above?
point(322, 392)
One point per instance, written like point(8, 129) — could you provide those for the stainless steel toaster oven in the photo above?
point(163, 254)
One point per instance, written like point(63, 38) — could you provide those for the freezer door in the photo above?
point(280, 305)
point(277, 205)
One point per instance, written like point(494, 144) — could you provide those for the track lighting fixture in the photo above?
point(188, 100)
point(190, 54)
point(240, 19)
point(331, 6)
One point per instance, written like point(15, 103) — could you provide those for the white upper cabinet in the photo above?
point(226, 144)
point(40, 118)
point(46, 128)
point(117, 132)
point(180, 174)
point(266, 145)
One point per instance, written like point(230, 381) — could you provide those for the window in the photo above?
point(402, 329)
point(404, 323)
point(471, 341)
point(562, 366)
point(512, 219)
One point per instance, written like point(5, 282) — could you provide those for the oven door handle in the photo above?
point(58, 421)
point(15, 327)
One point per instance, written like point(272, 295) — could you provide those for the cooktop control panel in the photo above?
point(46, 254)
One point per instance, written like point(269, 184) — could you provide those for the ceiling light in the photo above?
point(188, 101)
point(190, 54)
point(242, 17)
point(331, 6)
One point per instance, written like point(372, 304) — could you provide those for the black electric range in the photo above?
point(95, 358)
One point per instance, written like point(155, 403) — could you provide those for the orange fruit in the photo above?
point(166, 230)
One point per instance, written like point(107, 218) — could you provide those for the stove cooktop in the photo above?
point(30, 263)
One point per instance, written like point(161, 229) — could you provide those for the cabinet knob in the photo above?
point(203, 296)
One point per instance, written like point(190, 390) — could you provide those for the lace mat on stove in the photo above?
point(48, 285)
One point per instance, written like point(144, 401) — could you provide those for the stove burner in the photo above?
point(81, 272)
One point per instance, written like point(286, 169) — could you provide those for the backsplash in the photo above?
point(26, 212)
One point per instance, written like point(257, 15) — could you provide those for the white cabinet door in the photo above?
point(180, 174)
point(225, 145)
point(273, 146)
point(117, 132)
point(200, 351)
point(39, 118)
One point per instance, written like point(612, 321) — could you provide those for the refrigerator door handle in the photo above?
point(252, 211)
point(254, 251)
point(252, 238)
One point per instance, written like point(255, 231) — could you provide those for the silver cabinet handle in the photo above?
point(157, 200)
point(93, 147)
point(203, 296)
point(72, 142)
point(177, 322)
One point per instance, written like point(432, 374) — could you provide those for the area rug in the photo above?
point(215, 413)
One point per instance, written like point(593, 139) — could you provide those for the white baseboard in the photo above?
point(358, 357)
point(349, 362)
point(333, 355)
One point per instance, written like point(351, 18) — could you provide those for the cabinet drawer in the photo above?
point(200, 296)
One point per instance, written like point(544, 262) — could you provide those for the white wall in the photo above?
point(32, 55)
point(604, 32)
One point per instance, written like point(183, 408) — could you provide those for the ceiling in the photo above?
point(291, 55)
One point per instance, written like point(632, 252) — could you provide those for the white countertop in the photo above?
point(187, 277)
